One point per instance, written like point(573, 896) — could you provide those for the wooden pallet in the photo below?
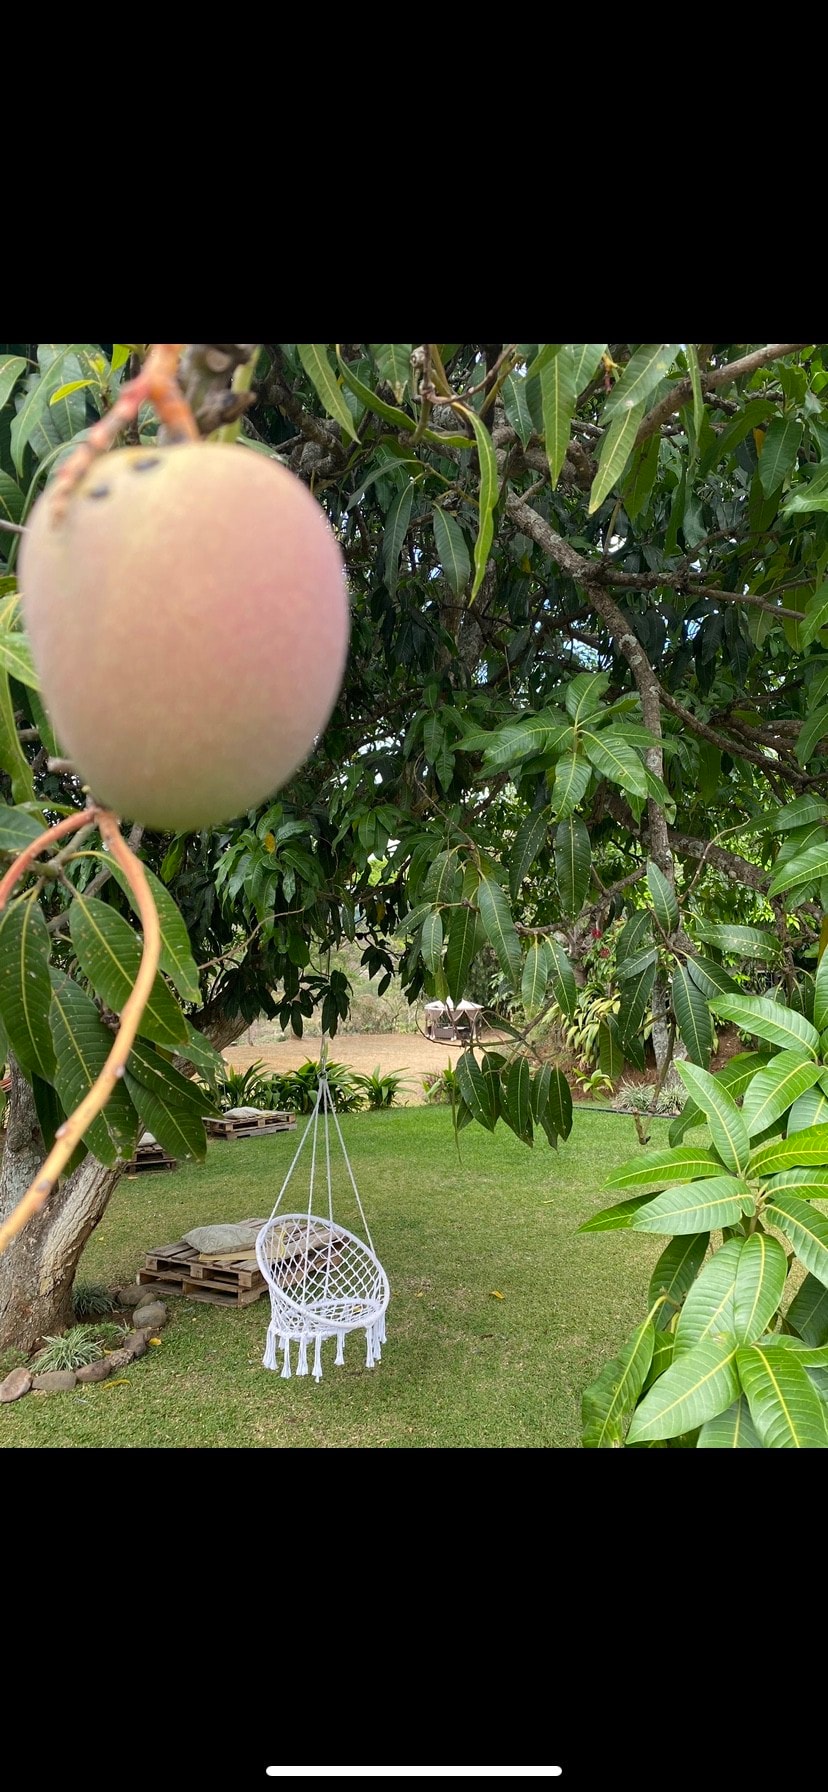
point(150, 1157)
point(224, 1281)
point(251, 1127)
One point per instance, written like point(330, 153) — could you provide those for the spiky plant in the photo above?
point(91, 1300)
point(73, 1350)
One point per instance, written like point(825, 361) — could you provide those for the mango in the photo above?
point(188, 615)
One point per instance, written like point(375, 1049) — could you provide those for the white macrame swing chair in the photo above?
point(324, 1281)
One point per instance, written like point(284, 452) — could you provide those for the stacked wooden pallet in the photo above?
point(225, 1280)
point(249, 1123)
point(149, 1155)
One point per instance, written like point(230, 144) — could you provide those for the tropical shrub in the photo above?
point(381, 1091)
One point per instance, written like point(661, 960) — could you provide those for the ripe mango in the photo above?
point(188, 615)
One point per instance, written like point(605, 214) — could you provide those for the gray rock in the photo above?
point(136, 1344)
point(139, 1296)
point(120, 1359)
point(96, 1371)
point(55, 1381)
point(15, 1385)
point(150, 1317)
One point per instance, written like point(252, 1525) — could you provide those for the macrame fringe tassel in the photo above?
point(381, 1327)
point(340, 1350)
point(286, 1363)
point(302, 1365)
point(369, 1347)
point(317, 1358)
point(269, 1358)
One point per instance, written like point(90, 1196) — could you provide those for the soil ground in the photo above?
point(409, 1052)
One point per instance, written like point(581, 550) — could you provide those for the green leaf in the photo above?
point(516, 406)
point(710, 978)
point(25, 989)
point(12, 758)
point(11, 499)
point(586, 360)
point(779, 452)
point(16, 656)
point(396, 528)
point(674, 1273)
point(475, 1090)
point(808, 869)
point(641, 477)
point(110, 954)
point(663, 898)
point(618, 1218)
point(760, 1280)
point(633, 933)
point(562, 977)
point(515, 1101)
point(35, 403)
point(614, 759)
point(545, 355)
point(810, 1146)
point(708, 1311)
point(314, 359)
point(692, 360)
point(394, 362)
point(807, 1231)
point(645, 369)
point(496, 916)
point(808, 740)
point(731, 1430)
point(692, 1016)
point(572, 775)
point(443, 879)
point(673, 1167)
point(11, 367)
point(82, 1045)
point(368, 397)
point(487, 495)
point(177, 1106)
point(540, 1091)
point(535, 977)
point(810, 1110)
point(17, 829)
point(697, 1388)
point(558, 394)
point(703, 1206)
point(616, 449)
point(584, 694)
point(461, 950)
point(784, 1405)
point(431, 941)
point(744, 942)
point(452, 552)
point(636, 963)
point(774, 1088)
point(768, 1020)
point(176, 952)
point(808, 1311)
point(200, 1052)
point(727, 1127)
point(808, 1184)
point(610, 1050)
point(616, 1390)
point(558, 1110)
point(527, 844)
point(799, 814)
point(634, 1000)
point(734, 1077)
point(573, 860)
point(816, 618)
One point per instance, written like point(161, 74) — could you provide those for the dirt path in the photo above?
point(408, 1052)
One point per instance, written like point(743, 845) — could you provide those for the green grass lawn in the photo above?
point(461, 1369)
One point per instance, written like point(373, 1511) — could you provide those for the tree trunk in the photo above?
point(38, 1268)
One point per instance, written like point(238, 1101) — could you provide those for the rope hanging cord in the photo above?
point(324, 1280)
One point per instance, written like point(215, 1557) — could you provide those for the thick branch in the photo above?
point(720, 376)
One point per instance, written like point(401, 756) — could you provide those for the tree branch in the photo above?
point(720, 376)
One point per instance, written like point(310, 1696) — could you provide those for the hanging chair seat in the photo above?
point(324, 1281)
point(320, 1276)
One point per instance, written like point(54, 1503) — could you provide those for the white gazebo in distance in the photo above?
point(459, 1021)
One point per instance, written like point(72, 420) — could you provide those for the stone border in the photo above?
point(61, 1381)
